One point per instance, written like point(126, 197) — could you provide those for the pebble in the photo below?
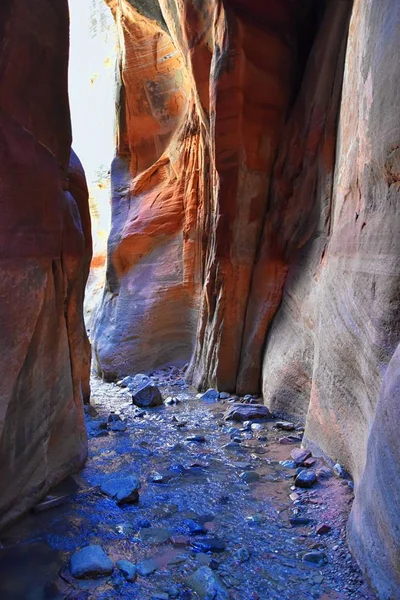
point(128, 570)
point(200, 439)
point(155, 535)
point(324, 473)
point(249, 476)
point(290, 439)
point(323, 528)
point(124, 490)
point(208, 545)
point(194, 527)
point(316, 558)
point(339, 470)
point(288, 464)
point(224, 395)
point(285, 425)
point(90, 562)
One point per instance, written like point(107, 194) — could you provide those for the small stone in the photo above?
point(316, 558)
point(256, 427)
point(285, 425)
point(207, 584)
point(224, 395)
point(324, 473)
point(210, 396)
point(250, 476)
point(305, 479)
point(155, 535)
point(118, 426)
point(161, 478)
point(90, 562)
point(299, 521)
point(323, 528)
point(299, 455)
point(147, 395)
point(127, 381)
point(208, 545)
point(309, 462)
point(339, 470)
point(242, 555)
point(294, 497)
point(180, 540)
point(128, 570)
point(254, 519)
point(147, 567)
point(246, 412)
point(200, 439)
point(124, 490)
point(290, 439)
point(288, 464)
point(195, 528)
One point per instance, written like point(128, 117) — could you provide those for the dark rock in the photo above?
point(299, 521)
point(250, 476)
point(208, 544)
point(309, 462)
point(285, 425)
point(90, 562)
point(290, 439)
point(143, 523)
point(195, 528)
point(247, 412)
point(324, 473)
point(305, 479)
point(118, 426)
point(147, 395)
point(128, 570)
point(155, 535)
point(299, 455)
point(323, 528)
point(196, 438)
point(124, 490)
point(207, 584)
point(318, 559)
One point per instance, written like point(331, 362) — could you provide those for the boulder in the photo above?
point(124, 490)
point(247, 412)
point(90, 562)
point(147, 395)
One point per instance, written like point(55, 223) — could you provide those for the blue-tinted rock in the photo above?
point(208, 544)
point(90, 562)
point(207, 584)
point(124, 490)
point(147, 395)
point(128, 570)
point(305, 479)
point(210, 396)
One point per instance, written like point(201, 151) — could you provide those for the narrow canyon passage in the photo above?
point(217, 514)
point(204, 196)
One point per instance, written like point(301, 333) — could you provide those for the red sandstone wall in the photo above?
point(45, 250)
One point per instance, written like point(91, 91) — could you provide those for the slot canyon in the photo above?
point(202, 401)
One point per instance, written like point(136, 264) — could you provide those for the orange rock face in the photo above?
point(45, 250)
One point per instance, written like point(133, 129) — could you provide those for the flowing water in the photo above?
point(184, 481)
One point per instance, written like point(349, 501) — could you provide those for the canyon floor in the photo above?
point(220, 504)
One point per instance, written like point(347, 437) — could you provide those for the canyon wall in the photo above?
point(255, 220)
point(45, 251)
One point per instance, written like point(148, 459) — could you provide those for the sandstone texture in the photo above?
point(45, 250)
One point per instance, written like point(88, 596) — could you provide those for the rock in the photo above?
point(318, 559)
point(250, 476)
point(324, 473)
point(128, 570)
point(305, 479)
point(288, 464)
point(208, 544)
point(210, 396)
point(143, 523)
point(309, 462)
point(118, 426)
point(180, 540)
point(160, 596)
point(206, 583)
point(242, 555)
point(339, 470)
point(294, 497)
point(155, 535)
point(299, 455)
point(247, 412)
point(299, 521)
point(161, 478)
point(124, 490)
point(195, 528)
point(224, 395)
point(126, 381)
point(255, 519)
point(256, 427)
point(323, 528)
point(146, 567)
point(285, 425)
point(290, 439)
point(90, 562)
point(196, 438)
point(147, 395)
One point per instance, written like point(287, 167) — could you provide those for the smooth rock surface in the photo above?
point(207, 584)
point(246, 412)
point(124, 490)
point(90, 562)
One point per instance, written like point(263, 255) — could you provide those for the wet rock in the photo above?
point(146, 567)
point(305, 479)
point(210, 396)
point(143, 523)
point(128, 570)
point(247, 412)
point(224, 395)
point(200, 439)
point(250, 476)
point(323, 528)
point(255, 519)
point(299, 521)
point(178, 468)
point(161, 478)
point(208, 544)
point(299, 455)
point(285, 425)
point(318, 559)
point(207, 584)
point(90, 562)
point(124, 490)
point(147, 395)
